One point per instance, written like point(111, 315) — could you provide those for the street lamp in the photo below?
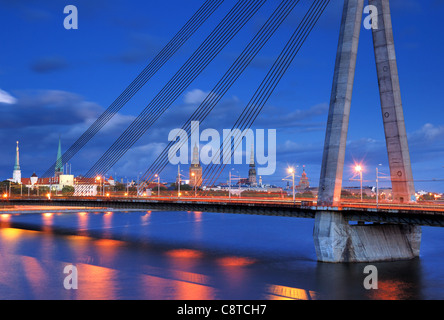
point(158, 184)
point(99, 180)
point(138, 186)
point(195, 187)
point(292, 172)
point(179, 181)
point(377, 185)
point(358, 169)
point(229, 188)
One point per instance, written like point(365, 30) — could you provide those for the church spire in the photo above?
point(195, 159)
point(252, 163)
point(17, 158)
point(252, 178)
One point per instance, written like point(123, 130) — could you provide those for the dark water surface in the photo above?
point(194, 255)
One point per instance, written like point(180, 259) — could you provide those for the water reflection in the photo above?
point(102, 283)
point(47, 222)
point(396, 280)
point(175, 262)
point(287, 293)
point(83, 223)
point(184, 253)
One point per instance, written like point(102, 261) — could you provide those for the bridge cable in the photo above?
point(249, 117)
point(224, 84)
point(218, 39)
point(271, 81)
point(195, 22)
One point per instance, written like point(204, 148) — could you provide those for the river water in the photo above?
point(194, 256)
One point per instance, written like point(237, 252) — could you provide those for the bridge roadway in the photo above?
point(366, 212)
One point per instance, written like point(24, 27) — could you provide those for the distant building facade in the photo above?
point(304, 184)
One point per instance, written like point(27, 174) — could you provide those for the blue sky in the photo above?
point(55, 81)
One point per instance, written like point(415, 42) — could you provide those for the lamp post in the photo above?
point(377, 186)
point(239, 183)
point(178, 184)
point(99, 179)
point(358, 169)
point(195, 187)
point(138, 190)
point(292, 172)
point(158, 184)
point(229, 187)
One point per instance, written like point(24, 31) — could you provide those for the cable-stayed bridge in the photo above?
point(395, 231)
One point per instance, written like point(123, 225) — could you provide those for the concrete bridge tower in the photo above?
point(335, 239)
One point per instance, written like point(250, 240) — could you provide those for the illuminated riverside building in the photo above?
point(304, 184)
point(82, 186)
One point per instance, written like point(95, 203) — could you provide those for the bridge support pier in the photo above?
point(336, 241)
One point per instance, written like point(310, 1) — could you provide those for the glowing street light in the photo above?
point(195, 186)
point(377, 186)
point(158, 184)
point(99, 180)
point(358, 169)
point(292, 172)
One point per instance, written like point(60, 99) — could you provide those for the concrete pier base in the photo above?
point(337, 241)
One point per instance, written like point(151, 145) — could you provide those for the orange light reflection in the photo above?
point(391, 290)
point(184, 253)
point(235, 261)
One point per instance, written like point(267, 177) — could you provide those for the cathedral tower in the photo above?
point(17, 173)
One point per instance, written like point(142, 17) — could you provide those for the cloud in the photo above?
point(428, 133)
point(6, 98)
point(36, 120)
point(195, 96)
point(48, 64)
point(48, 107)
point(275, 118)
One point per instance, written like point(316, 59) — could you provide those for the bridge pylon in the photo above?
point(330, 184)
point(335, 240)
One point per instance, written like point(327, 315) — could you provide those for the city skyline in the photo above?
point(222, 150)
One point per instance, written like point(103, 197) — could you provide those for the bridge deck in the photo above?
point(386, 213)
